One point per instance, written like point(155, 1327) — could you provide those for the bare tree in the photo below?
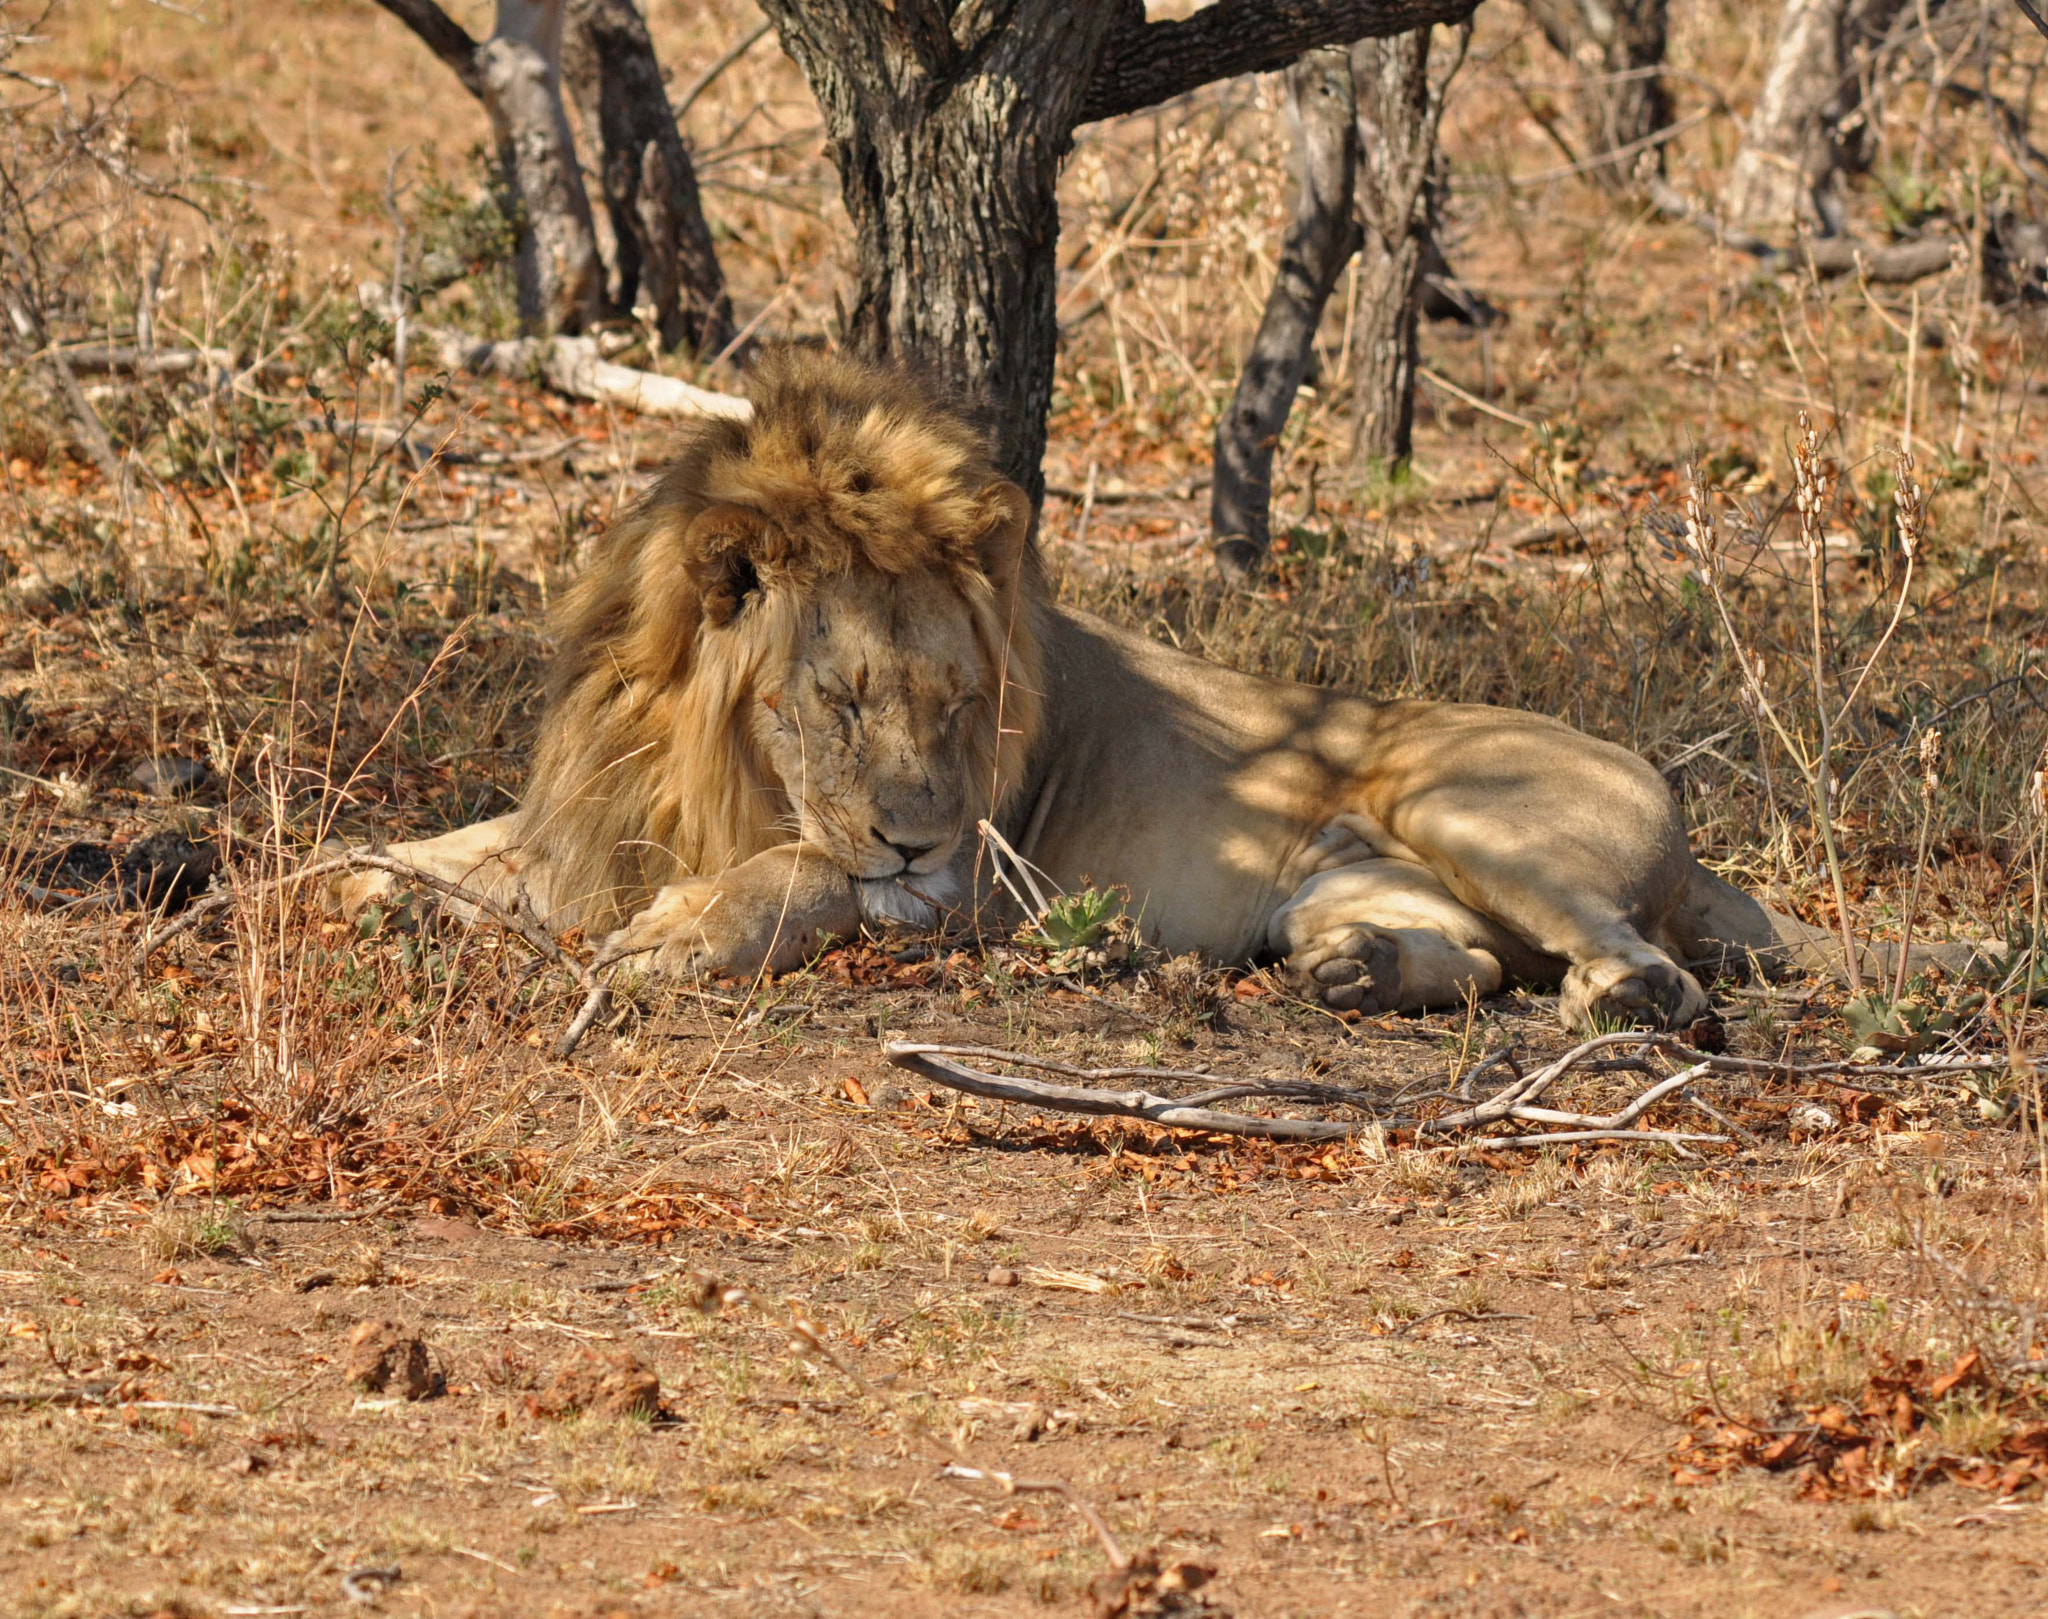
point(1365, 125)
point(1617, 46)
point(662, 247)
point(1399, 190)
point(1322, 108)
point(948, 123)
point(1805, 131)
point(662, 251)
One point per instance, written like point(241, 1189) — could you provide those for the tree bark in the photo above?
point(948, 153)
point(561, 278)
point(663, 253)
point(1803, 133)
point(1145, 63)
point(1618, 47)
point(1319, 243)
point(1399, 187)
point(948, 125)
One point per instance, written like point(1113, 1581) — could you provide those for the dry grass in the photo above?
point(1254, 1361)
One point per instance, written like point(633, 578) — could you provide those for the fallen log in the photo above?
point(575, 366)
point(1896, 263)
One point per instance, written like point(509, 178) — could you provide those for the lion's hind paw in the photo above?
point(1644, 987)
point(1358, 970)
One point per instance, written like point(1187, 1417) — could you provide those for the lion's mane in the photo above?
point(646, 768)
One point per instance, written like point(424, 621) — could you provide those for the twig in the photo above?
point(87, 429)
point(930, 1062)
point(1566, 1138)
point(596, 997)
point(1475, 401)
point(705, 80)
point(1012, 1485)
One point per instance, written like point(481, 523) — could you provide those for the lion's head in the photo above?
point(821, 621)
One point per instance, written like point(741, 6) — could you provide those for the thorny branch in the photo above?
point(1514, 1103)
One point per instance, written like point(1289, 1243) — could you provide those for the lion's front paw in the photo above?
point(353, 892)
point(1358, 970)
point(681, 933)
point(1625, 991)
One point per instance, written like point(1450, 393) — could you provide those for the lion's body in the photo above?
point(793, 678)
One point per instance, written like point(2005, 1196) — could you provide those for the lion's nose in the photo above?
point(911, 852)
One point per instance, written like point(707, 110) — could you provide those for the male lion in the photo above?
point(796, 673)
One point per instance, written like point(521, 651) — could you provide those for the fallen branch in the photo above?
point(575, 366)
point(519, 921)
point(1897, 264)
point(1514, 1103)
point(104, 360)
point(87, 430)
point(934, 1063)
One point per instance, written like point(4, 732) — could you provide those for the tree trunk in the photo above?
point(1399, 186)
point(1319, 243)
point(1803, 132)
point(948, 153)
point(948, 123)
point(663, 254)
point(1618, 48)
point(519, 78)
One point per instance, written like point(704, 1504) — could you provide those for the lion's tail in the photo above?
point(1720, 929)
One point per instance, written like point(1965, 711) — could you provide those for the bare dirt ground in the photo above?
point(1426, 1385)
point(1797, 1374)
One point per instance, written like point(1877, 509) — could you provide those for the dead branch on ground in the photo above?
point(1829, 256)
point(575, 366)
point(1514, 1103)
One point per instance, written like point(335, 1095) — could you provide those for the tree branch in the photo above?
point(444, 36)
point(1145, 63)
point(1895, 263)
point(576, 367)
point(1514, 1103)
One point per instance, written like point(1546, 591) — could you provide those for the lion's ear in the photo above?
point(1006, 530)
point(718, 551)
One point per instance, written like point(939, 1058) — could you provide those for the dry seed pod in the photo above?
point(1910, 505)
point(1700, 537)
point(1930, 763)
point(1810, 485)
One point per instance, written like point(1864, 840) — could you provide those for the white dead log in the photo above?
point(575, 366)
